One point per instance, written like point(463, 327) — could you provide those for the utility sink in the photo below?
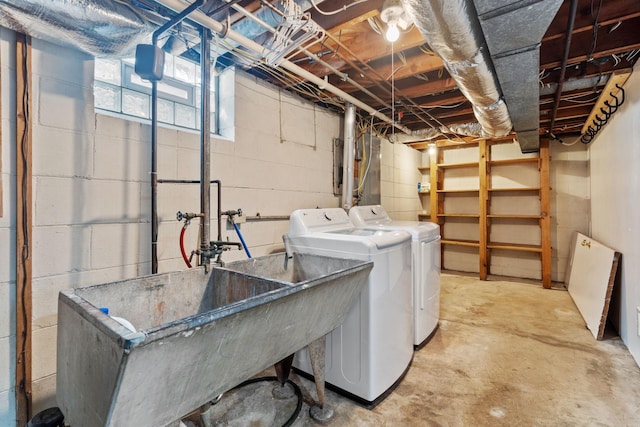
point(198, 334)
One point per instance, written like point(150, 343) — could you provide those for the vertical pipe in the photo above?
point(205, 146)
point(349, 155)
point(154, 177)
point(563, 67)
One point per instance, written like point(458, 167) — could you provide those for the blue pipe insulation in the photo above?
point(244, 245)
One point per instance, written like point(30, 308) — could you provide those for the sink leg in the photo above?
point(321, 413)
point(283, 368)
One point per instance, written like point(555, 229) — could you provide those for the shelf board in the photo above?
point(424, 192)
point(470, 243)
point(459, 191)
point(505, 162)
point(508, 216)
point(459, 215)
point(514, 189)
point(423, 169)
point(515, 247)
point(458, 165)
point(423, 217)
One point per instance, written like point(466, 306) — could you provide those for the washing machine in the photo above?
point(369, 353)
point(425, 263)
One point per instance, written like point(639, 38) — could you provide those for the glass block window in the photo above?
point(118, 89)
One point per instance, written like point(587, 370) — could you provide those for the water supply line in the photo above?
point(187, 220)
point(230, 215)
point(349, 155)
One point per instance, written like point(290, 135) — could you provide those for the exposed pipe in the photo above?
point(349, 155)
point(452, 29)
point(563, 68)
point(216, 26)
point(343, 76)
point(205, 145)
point(154, 136)
point(213, 181)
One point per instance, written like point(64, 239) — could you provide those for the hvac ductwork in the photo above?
point(513, 31)
point(466, 129)
point(98, 27)
point(452, 30)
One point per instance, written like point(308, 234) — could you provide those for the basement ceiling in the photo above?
point(550, 78)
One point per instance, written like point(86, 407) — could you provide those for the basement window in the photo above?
point(119, 90)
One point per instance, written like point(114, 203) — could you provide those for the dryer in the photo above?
point(368, 354)
point(425, 262)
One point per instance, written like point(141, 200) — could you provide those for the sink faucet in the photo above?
point(288, 253)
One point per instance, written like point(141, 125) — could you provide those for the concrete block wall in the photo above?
point(7, 229)
point(399, 178)
point(570, 201)
point(92, 194)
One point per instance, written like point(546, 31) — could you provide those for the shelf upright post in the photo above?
point(434, 187)
point(545, 218)
point(483, 200)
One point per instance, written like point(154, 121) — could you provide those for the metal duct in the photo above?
point(513, 31)
point(349, 155)
point(97, 27)
point(452, 30)
point(466, 129)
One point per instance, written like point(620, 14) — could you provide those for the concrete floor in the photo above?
point(505, 353)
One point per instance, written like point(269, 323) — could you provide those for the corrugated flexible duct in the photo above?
point(453, 31)
point(98, 27)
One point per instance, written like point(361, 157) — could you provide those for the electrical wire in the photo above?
point(334, 12)
point(596, 26)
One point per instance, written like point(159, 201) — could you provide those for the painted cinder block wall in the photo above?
point(91, 193)
point(615, 205)
point(399, 177)
point(7, 232)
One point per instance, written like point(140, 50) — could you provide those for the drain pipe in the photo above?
point(154, 136)
point(205, 145)
point(563, 67)
point(349, 155)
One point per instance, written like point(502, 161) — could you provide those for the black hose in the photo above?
point(296, 389)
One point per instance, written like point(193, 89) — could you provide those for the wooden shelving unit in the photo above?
point(485, 193)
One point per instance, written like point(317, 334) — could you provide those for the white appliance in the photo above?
point(425, 262)
point(370, 351)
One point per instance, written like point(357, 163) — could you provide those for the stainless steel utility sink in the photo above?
point(199, 334)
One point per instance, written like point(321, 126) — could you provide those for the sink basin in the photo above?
point(198, 334)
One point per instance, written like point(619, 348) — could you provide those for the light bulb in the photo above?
point(392, 32)
point(432, 149)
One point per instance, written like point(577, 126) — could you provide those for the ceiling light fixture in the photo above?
point(394, 16)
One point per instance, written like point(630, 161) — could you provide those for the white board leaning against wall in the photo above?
point(591, 274)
